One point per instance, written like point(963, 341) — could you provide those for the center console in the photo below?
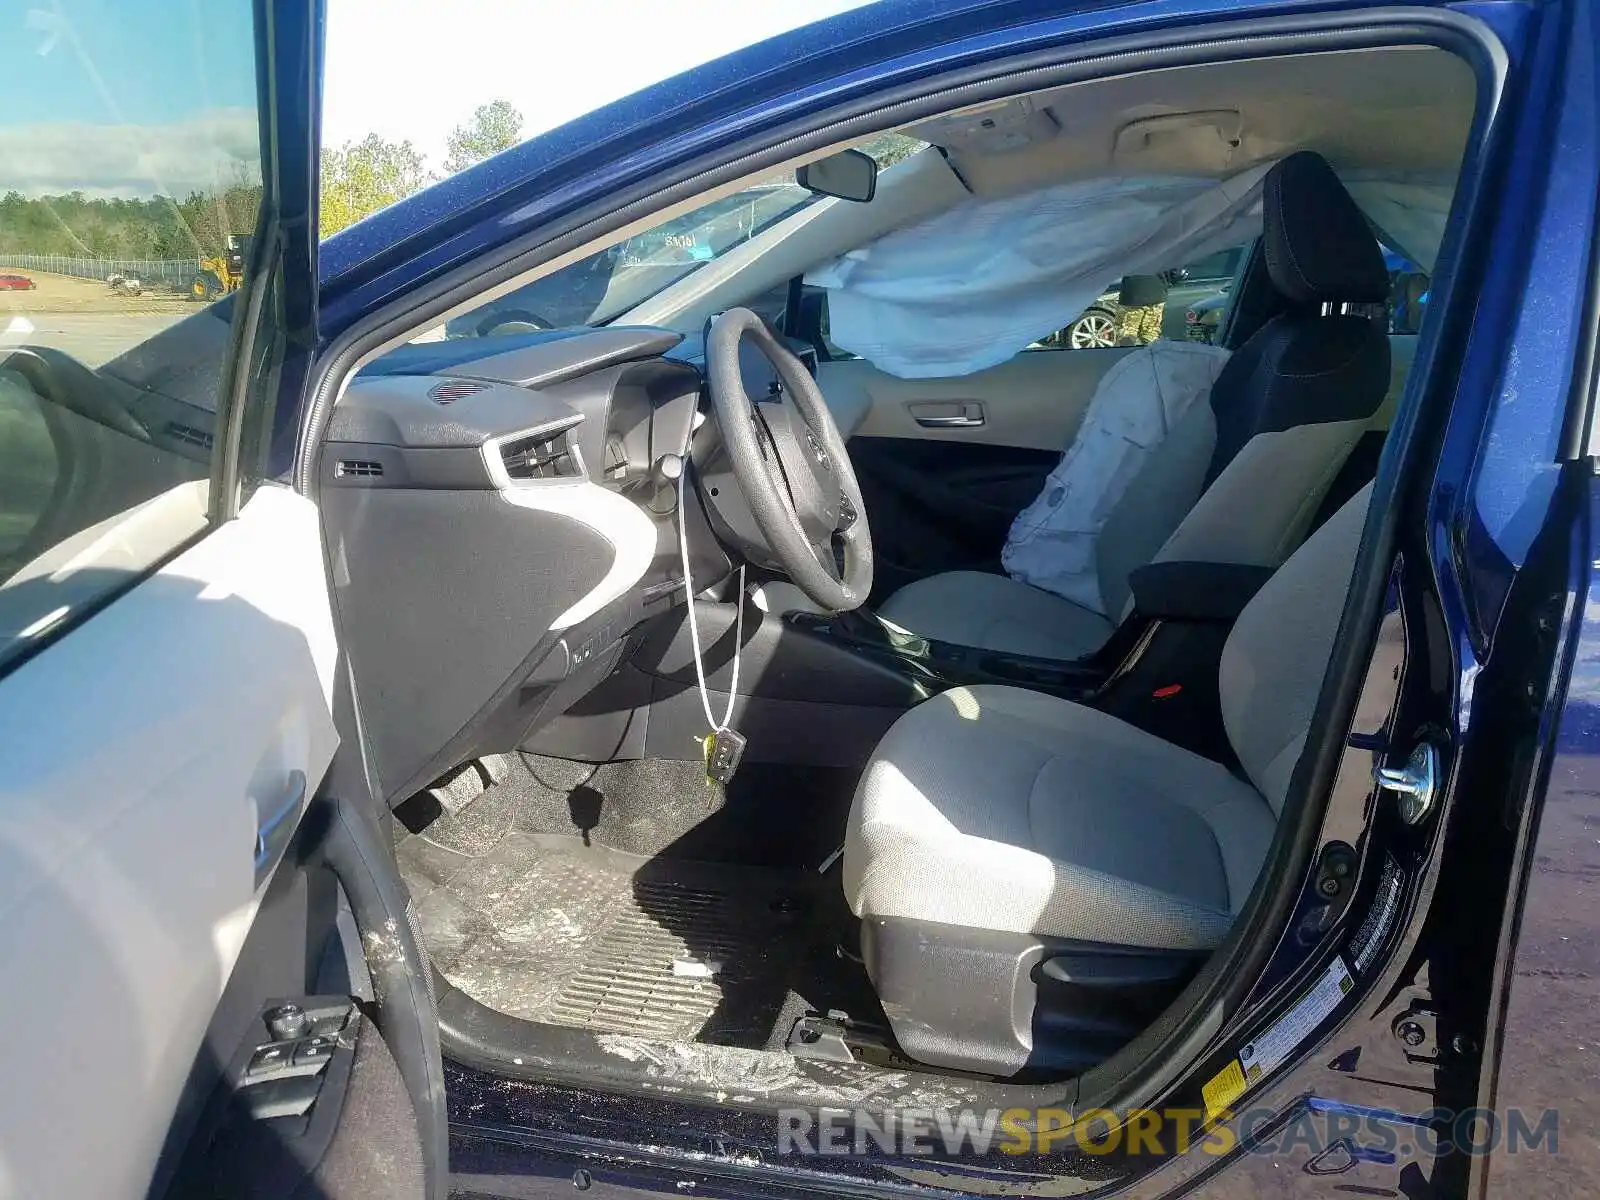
point(1157, 671)
point(945, 664)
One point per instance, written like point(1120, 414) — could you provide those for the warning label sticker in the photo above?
point(1385, 903)
point(1226, 1086)
point(1280, 1039)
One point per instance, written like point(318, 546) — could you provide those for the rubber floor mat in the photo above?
point(547, 929)
point(671, 959)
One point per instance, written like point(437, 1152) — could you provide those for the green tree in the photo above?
point(204, 220)
point(890, 148)
point(493, 128)
point(117, 227)
point(359, 178)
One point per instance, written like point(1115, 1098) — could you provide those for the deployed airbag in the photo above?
point(1409, 210)
point(970, 287)
point(1052, 542)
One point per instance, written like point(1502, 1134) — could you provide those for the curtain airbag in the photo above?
point(972, 286)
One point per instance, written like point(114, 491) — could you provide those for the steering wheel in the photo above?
point(791, 466)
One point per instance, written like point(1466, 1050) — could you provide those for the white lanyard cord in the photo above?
point(694, 627)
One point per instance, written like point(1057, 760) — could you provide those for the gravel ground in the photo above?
point(91, 338)
point(84, 318)
point(65, 294)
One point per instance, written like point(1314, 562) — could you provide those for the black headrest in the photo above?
point(1319, 246)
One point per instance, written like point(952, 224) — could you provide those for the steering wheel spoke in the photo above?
point(791, 465)
point(848, 516)
point(823, 552)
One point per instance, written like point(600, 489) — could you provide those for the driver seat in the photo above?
point(1037, 879)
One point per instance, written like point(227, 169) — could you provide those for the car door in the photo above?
point(212, 986)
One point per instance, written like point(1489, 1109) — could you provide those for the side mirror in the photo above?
point(849, 175)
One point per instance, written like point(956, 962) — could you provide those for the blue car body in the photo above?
point(1496, 550)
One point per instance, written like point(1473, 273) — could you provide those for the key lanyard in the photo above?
point(694, 626)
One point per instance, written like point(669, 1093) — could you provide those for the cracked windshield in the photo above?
point(605, 285)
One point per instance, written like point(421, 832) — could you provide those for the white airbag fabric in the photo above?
point(1410, 209)
point(972, 286)
point(1052, 542)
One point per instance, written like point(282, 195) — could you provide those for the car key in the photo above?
point(724, 749)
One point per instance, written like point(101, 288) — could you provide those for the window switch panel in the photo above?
point(272, 1059)
point(313, 1051)
point(281, 1097)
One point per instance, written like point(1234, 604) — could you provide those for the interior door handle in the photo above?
point(947, 414)
point(275, 827)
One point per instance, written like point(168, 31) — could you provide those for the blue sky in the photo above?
point(125, 97)
point(159, 60)
point(132, 97)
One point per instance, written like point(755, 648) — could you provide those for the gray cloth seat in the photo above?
point(995, 612)
point(997, 808)
point(993, 811)
point(1238, 479)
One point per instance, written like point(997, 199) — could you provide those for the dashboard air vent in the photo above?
point(452, 390)
point(188, 433)
point(541, 456)
point(358, 468)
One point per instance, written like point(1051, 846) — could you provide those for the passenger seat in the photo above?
point(1237, 480)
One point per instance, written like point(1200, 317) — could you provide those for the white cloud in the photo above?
point(130, 160)
point(415, 69)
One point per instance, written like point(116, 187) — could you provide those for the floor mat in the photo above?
point(549, 929)
point(673, 959)
point(770, 815)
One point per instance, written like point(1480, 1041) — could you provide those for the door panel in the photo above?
point(945, 465)
point(168, 870)
point(1034, 401)
point(938, 506)
point(143, 750)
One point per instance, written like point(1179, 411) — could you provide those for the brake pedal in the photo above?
point(456, 789)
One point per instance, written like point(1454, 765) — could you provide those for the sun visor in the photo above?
point(970, 287)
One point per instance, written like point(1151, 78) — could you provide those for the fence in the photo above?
point(156, 274)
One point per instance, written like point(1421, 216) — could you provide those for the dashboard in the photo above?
point(500, 514)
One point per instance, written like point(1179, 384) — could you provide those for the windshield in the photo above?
point(597, 289)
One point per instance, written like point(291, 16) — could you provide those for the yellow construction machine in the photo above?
point(221, 273)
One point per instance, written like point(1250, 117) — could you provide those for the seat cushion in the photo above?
point(995, 612)
point(1002, 809)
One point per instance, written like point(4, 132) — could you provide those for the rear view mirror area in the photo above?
point(847, 175)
